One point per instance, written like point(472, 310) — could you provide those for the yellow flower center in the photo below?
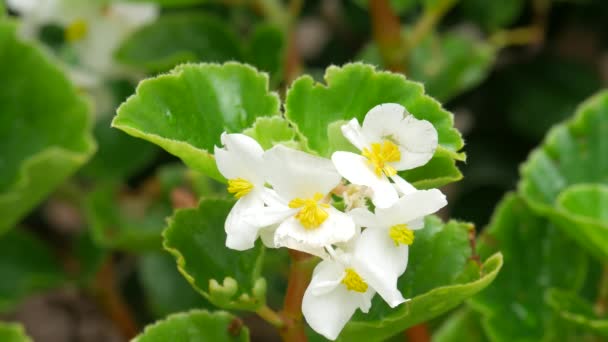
point(353, 281)
point(380, 154)
point(401, 234)
point(76, 30)
point(311, 215)
point(239, 187)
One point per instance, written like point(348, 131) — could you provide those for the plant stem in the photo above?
point(601, 303)
point(270, 316)
point(300, 273)
point(518, 36)
point(387, 34)
point(427, 22)
point(112, 301)
point(418, 333)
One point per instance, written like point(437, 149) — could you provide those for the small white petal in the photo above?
point(338, 227)
point(267, 236)
point(403, 186)
point(240, 234)
point(380, 263)
point(356, 170)
point(241, 158)
point(413, 206)
point(364, 217)
point(352, 132)
point(296, 174)
point(134, 15)
point(268, 216)
point(327, 311)
point(383, 120)
point(417, 143)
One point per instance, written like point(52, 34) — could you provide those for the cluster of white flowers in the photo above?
point(285, 197)
point(93, 29)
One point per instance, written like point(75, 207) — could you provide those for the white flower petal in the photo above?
point(327, 311)
point(417, 143)
point(352, 132)
point(338, 227)
point(380, 263)
point(383, 120)
point(364, 217)
point(268, 216)
point(356, 170)
point(134, 15)
point(403, 186)
point(241, 158)
point(413, 206)
point(240, 234)
point(296, 174)
point(267, 236)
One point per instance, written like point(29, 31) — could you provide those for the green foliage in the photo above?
point(12, 332)
point(44, 127)
point(440, 276)
point(27, 266)
point(196, 325)
point(538, 256)
point(577, 311)
point(350, 92)
point(186, 111)
point(266, 50)
point(178, 38)
point(573, 153)
point(127, 222)
point(229, 279)
point(119, 155)
point(165, 288)
point(492, 15)
point(447, 64)
point(462, 325)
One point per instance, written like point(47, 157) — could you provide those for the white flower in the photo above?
point(94, 30)
point(337, 289)
point(389, 233)
point(240, 161)
point(391, 140)
point(302, 184)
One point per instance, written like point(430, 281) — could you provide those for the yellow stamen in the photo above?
point(353, 281)
point(401, 234)
point(380, 154)
point(311, 215)
point(239, 187)
point(76, 30)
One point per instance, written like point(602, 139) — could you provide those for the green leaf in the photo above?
point(178, 38)
point(126, 222)
point(462, 325)
point(447, 64)
point(44, 127)
point(269, 131)
point(575, 152)
point(266, 50)
point(186, 111)
point(440, 276)
point(27, 266)
point(492, 15)
point(196, 326)
point(576, 310)
point(354, 89)
point(227, 278)
point(451, 64)
point(538, 256)
point(401, 7)
point(12, 332)
point(165, 289)
point(119, 155)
